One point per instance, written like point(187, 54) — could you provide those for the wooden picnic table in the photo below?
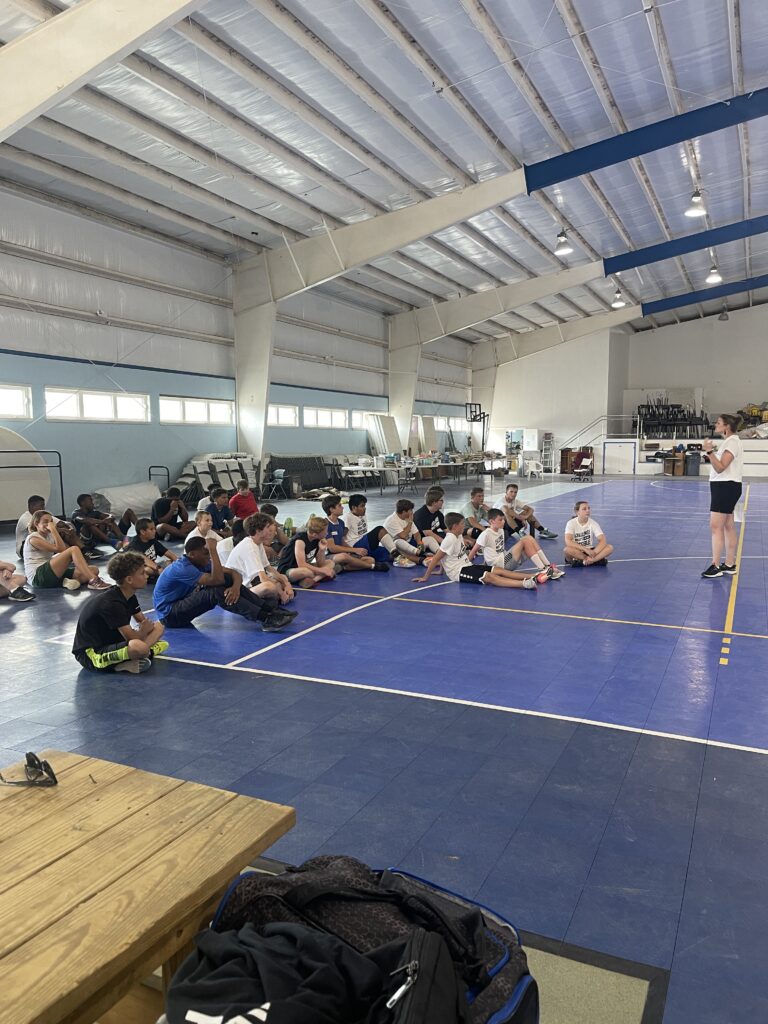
point(109, 875)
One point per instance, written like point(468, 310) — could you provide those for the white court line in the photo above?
point(327, 622)
point(476, 704)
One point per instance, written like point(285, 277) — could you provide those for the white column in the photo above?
point(404, 362)
point(255, 318)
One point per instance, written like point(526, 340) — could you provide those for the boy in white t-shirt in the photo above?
point(585, 542)
point(518, 515)
point(490, 544)
point(203, 526)
point(404, 535)
point(453, 557)
point(375, 542)
point(251, 560)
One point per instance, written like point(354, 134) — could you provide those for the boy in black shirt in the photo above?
point(105, 639)
point(171, 517)
point(428, 519)
point(303, 559)
point(156, 555)
point(97, 527)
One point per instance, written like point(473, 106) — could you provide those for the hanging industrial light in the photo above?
point(697, 208)
point(563, 247)
point(714, 276)
point(618, 300)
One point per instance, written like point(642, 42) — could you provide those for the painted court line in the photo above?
point(735, 579)
point(320, 625)
point(552, 615)
point(703, 741)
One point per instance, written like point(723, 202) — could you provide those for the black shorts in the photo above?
point(473, 532)
point(724, 495)
point(473, 573)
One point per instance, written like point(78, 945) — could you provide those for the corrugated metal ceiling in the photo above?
point(260, 121)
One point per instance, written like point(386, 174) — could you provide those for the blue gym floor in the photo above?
point(589, 759)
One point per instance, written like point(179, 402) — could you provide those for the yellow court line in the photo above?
point(728, 628)
point(553, 615)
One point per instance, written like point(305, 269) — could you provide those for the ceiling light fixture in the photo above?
point(697, 208)
point(563, 247)
point(618, 300)
point(724, 315)
point(714, 276)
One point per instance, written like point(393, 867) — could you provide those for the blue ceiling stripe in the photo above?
point(717, 291)
point(689, 243)
point(647, 139)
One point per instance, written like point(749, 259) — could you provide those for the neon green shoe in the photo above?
point(160, 647)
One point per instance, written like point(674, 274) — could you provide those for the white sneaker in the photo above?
point(529, 583)
point(554, 573)
point(70, 584)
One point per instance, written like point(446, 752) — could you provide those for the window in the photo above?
point(208, 411)
point(106, 406)
point(359, 418)
point(332, 419)
point(15, 402)
point(441, 423)
point(458, 423)
point(283, 416)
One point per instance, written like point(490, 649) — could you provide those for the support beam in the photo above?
point(688, 243)
point(254, 346)
point(549, 337)
point(648, 139)
point(432, 322)
point(323, 257)
point(71, 49)
point(718, 291)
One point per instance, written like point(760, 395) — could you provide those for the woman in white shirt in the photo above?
point(585, 542)
point(726, 468)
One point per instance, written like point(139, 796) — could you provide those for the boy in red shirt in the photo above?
point(243, 503)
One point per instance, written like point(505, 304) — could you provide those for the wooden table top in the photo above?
point(107, 875)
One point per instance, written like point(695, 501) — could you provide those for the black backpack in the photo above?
point(466, 957)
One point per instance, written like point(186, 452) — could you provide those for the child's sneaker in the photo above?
point(547, 535)
point(381, 566)
point(554, 573)
point(160, 647)
point(728, 570)
point(97, 583)
point(575, 563)
point(542, 578)
point(529, 583)
point(69, 584)
point(712, 572)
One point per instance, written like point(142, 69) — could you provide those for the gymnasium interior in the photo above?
point(358, 247)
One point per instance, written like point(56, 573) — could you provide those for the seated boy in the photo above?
point(12, 584)
point(220, 512)
point(281, 536)
point(155, 554)
point(343, 555)
point(404, 535)
point(105, 640)
point(67, 532)
point(197, 582)
point(243, 503)
point(228, 544)
point(375, 542)
point(252, 562)
point(453, 556)
point(97, 527)
point(206, 499)
point(203, 526)
point(490, 544)
point(475, 514)
point(429, 519)
point(303, 559)
point(518, 516)
point(170, 516)
point(585, 542)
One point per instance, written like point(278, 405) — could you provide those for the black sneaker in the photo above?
point(728, 570)
point(291, 614)
point(576, 563)
point(547, 535)
point(712, 572)
point(601, 561)
point(93, 554)
point(276, 621)
point(21, 595)
point(381, 566)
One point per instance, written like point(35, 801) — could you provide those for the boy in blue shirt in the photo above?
point(220, 512)
point(343, 555)
point(196, 583)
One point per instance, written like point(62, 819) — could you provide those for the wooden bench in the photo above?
point(107, 876)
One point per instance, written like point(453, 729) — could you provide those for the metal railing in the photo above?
point(602, 427)
point(53, 465)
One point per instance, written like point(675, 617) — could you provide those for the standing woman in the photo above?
point(726, 468)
